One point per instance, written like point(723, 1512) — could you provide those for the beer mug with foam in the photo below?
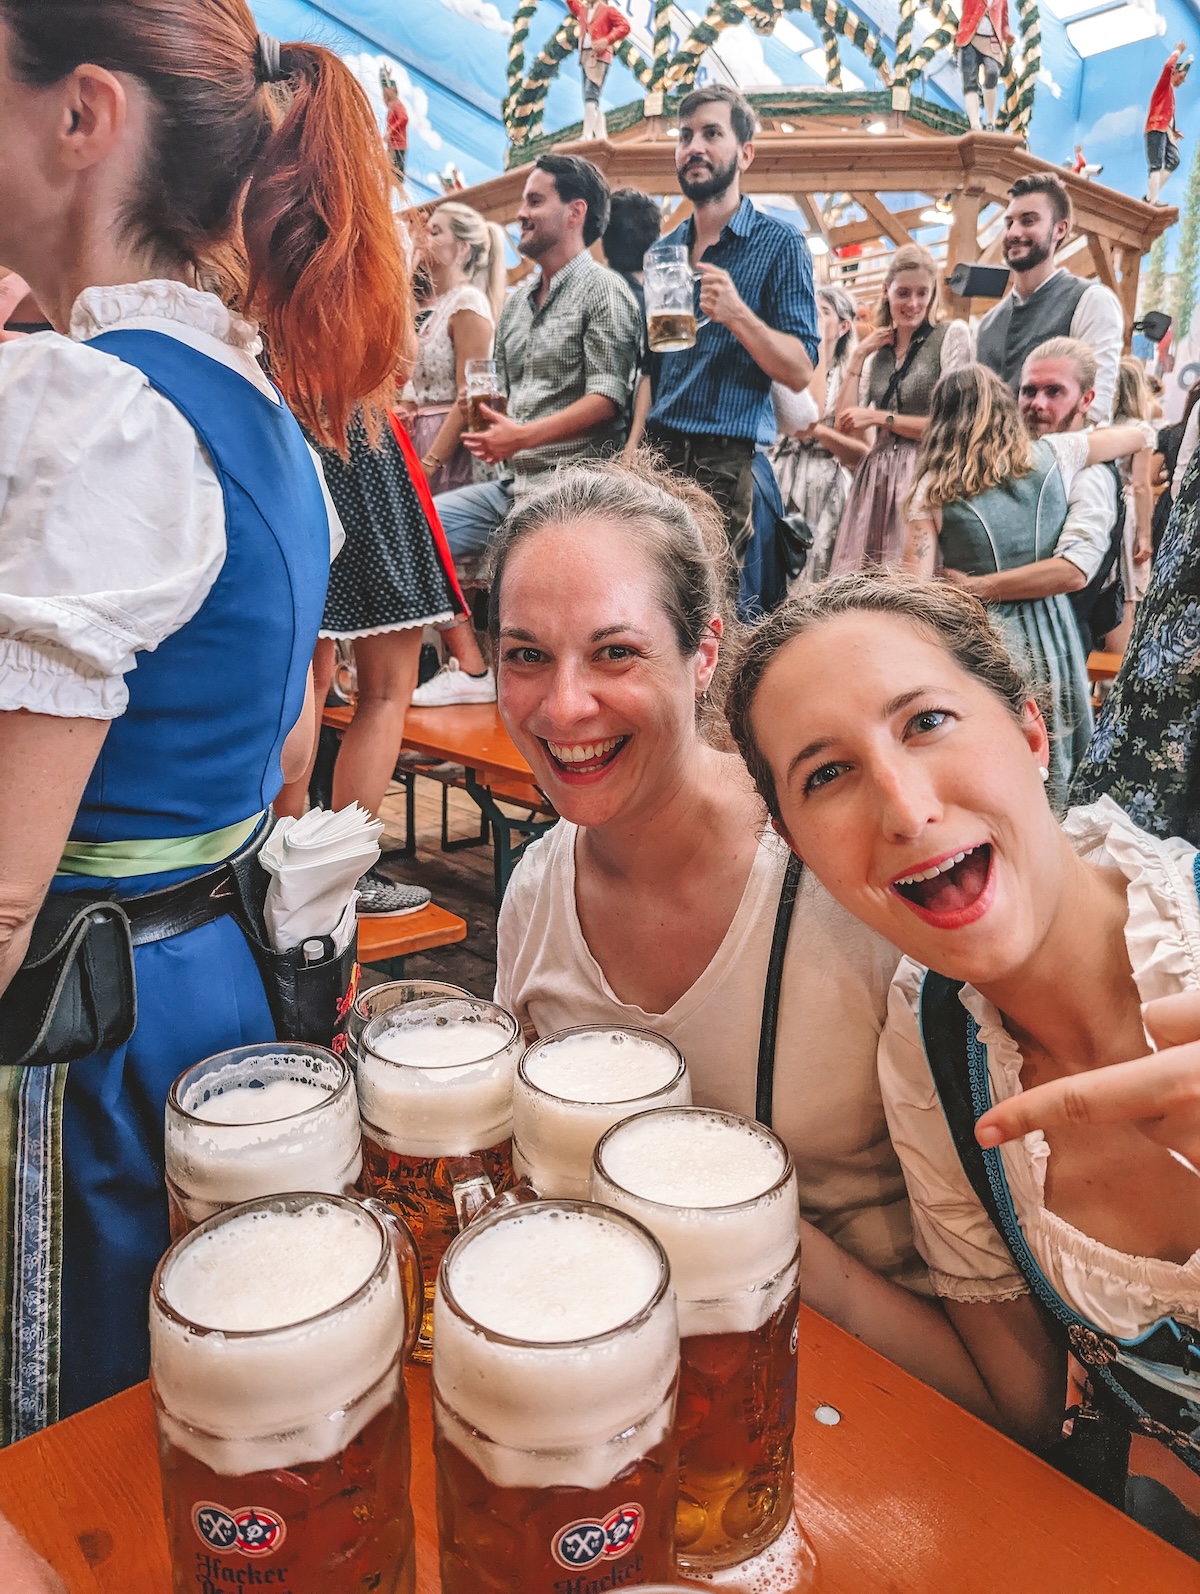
point(670, 288)
point(573, 1085)
point(555, 1357)
point(256, 1121)
point(720, 1194)
point(483, 388)
point(435, 1089)
point(369, 1004)
point(278, 1331)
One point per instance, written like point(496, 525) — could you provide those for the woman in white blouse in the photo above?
point(463, 256)
point(988, 510)
point(164, 552)
point(904, 757)
point(654, 901)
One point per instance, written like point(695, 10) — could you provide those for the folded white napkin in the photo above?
point(315, 863)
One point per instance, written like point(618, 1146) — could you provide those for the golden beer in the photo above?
point(554, 1370)
point(576, 1083)
point(669, 331)
point(435, 1084)
point(256, 1121)
point(477, 421)
point(277, 1347)
point(719, 1192)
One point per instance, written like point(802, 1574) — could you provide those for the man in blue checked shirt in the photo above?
point(711, 404)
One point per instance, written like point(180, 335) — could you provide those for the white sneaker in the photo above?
point(453, 685)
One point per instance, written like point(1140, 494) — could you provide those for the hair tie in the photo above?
point(266, 59)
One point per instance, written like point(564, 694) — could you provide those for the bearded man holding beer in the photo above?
point(711, 403)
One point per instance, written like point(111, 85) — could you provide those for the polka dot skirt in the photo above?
point(389, 574)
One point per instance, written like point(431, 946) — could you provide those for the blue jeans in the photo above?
point(470, 515)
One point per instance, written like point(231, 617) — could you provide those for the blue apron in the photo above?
point(197, 750)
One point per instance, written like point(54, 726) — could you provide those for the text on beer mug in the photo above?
point(276, 1356)
point(720, 1194)
point(573, 1085)
point(377, 999)
point(256, 1121)
point(435, 1084)
point(555, 1359)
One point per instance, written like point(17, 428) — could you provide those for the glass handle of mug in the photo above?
point(470, 1185)
point(701, 320)
point(409, 1260)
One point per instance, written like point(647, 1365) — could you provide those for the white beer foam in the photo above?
point(686, 1174)
point(564, 1410)
point(446, 1099)
point(586, 1082)
point(299, 1391)
point(260, 1140)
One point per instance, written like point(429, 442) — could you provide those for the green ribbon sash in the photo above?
point(118, 860)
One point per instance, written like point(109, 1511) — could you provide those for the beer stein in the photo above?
point(555, 1357)
point(257, 1121)
point(368, 1004)
point(483, 387)
point(435, 1089)
point(669, 285)
point(573, 1085)
point(720, 1194)
point(278, 1332)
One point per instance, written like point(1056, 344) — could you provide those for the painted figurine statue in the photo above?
point(983, 41)
point(396, 136)
point(1162, 136)
point(601, 29)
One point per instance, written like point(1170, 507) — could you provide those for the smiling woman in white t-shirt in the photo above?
point(653, 903)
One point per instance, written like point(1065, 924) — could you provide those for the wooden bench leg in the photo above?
point(461, 842)
point(505, 851)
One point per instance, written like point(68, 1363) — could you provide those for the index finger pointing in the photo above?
point(1146, 1089)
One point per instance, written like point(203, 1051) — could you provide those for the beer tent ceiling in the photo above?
point(1100, 61)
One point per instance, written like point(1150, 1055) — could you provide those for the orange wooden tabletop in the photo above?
point(904, 1495)
point(466, 733)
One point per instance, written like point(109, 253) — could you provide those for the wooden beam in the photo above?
point(1102, 260)
point(888, 224)
point(962, 245)
point(861, 232)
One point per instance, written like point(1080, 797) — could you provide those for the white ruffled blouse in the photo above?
point(112, 521)
point(968, 1261)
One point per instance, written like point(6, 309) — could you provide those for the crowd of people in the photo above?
point(870, 865)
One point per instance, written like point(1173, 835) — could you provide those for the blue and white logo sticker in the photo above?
point(581, 1544)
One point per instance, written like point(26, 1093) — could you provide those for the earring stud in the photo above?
point(1044, 773)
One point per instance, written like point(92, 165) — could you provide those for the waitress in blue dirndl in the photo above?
point(165, 539)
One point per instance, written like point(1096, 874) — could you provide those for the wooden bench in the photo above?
point(386, 943)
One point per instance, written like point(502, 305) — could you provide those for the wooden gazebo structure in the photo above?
point(839, 158)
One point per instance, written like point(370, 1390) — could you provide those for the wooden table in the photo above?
point(473, 735)
point(903, 1494)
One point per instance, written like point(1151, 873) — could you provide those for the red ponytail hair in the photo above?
point(295, 175)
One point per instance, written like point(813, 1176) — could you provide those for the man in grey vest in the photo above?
point(1047, 301)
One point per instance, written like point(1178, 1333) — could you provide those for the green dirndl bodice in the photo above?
point(1017, 524)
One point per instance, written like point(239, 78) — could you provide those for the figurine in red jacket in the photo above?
point(984, 39)
point(1162, 136)
point(601, 27)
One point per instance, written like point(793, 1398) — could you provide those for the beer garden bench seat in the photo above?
point(385, 943)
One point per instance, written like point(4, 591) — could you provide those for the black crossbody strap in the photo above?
point(764, 1095)
point(892, 391)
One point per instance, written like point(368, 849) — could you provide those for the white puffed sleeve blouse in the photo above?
point(112, 522)
point(968, 1261)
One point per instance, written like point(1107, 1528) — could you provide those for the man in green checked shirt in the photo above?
point(566, 353)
